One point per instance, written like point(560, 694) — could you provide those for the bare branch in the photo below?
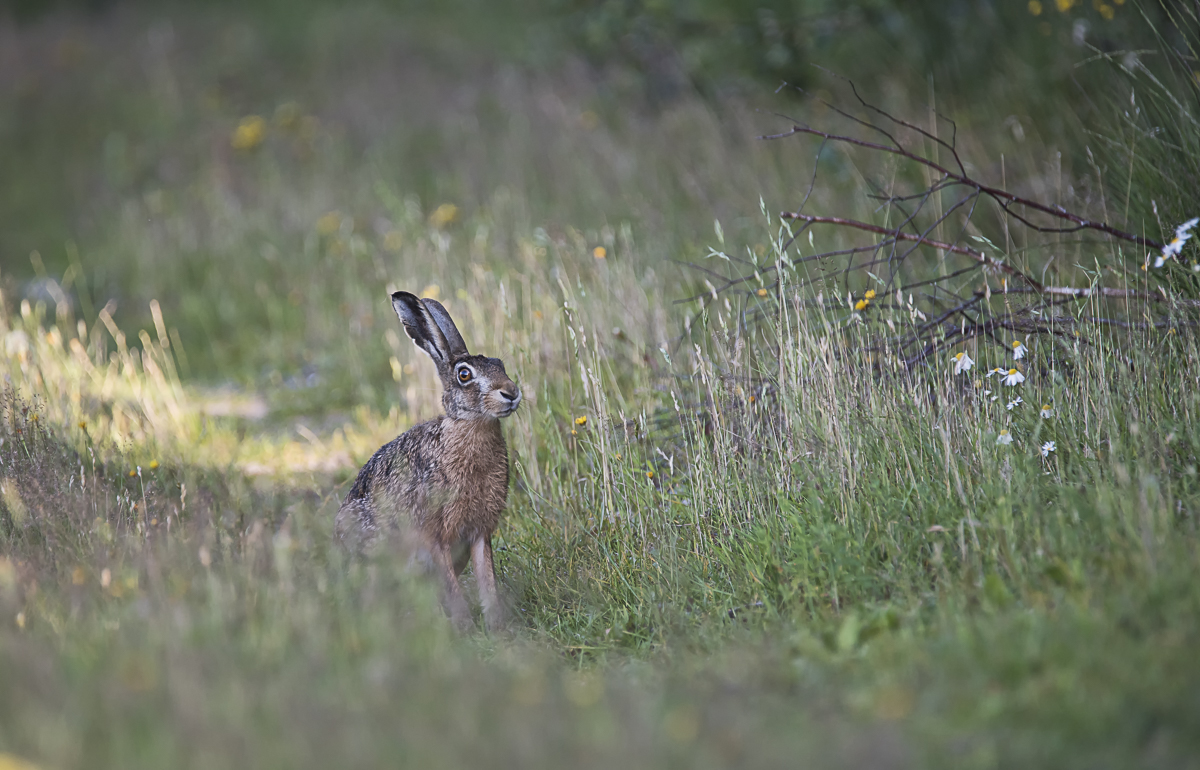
point(1003, 197)
point(950, 307)
point(974, 254)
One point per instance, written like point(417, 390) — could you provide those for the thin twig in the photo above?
point(974, 254)
point(993, 192)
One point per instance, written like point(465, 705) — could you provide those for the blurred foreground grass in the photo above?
point(845, 568)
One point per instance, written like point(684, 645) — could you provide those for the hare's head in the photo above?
point(473, 386)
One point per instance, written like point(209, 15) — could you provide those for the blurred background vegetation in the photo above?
point(108, 120)
point(720, 548)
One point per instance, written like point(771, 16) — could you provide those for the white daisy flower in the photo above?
point(997, 370)
point(962, 362)
point(1019, 350)
point(1014, 403)
point(1004, 438)
point(1047, 411)
point(1013, 377)
point(1047, 448)
point(1182, 235)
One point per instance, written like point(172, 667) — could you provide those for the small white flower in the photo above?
point(962, 362)
point(1004, 438)
point(1182, 235)
point(1019, 350)
point(1047, 411)
point(1013, 377)
point(1047, 448)
point(997, 370)
point(1015, 402)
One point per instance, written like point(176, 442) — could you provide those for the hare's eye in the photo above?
point(464, 375)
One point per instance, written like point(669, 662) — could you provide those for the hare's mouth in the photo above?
point(507, 410)
point(505, 402)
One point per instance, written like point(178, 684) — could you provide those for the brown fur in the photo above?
point(443, 484)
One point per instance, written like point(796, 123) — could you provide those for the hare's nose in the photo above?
point(511, 395)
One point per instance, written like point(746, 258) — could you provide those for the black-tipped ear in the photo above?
point(446, 324)
point(421, 326)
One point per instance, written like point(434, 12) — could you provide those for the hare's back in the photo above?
point(391, 481)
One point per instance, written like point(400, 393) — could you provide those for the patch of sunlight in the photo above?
point(13, 762)
point(101, 389)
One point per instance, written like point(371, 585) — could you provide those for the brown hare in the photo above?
point(442, 485)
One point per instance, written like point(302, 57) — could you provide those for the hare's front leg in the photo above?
point(485, 578)
point(452, 594)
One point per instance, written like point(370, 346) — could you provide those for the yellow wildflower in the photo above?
point(329, 223)
point(443, 215)
point(599, 252)
point(249, 133)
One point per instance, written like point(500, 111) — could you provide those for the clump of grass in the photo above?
point(220, 629)
point(744, 542)
point(1152, 149)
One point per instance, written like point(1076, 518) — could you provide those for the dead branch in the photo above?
point(1004, 198)
point(952, 307)
point(974, 254)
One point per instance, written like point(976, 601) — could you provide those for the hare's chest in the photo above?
point(475, 464)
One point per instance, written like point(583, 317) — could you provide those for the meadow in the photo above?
point(746, 527)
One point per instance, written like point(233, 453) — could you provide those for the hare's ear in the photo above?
point(421, 326)
point(446, 324)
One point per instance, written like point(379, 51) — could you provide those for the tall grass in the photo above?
point(725, 544)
